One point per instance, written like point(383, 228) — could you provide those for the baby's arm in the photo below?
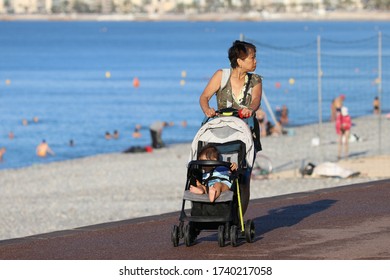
point(233, 166)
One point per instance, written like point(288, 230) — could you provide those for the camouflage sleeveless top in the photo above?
point(225, 97)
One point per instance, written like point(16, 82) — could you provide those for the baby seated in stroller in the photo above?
point(215, 179)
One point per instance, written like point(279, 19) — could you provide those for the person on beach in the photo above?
point(336, 106)
point(156, 130)
point(242, 90)
point(343, 130)
point(376, 104)
point(283, 115)
point(216, 179)
point(261, 117)
point(43, 149)
point(2, 152)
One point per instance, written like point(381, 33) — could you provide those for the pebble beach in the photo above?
point(112, 187)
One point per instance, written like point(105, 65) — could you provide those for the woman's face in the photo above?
point(249, 63)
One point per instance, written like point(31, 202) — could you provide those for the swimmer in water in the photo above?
point(43, 149)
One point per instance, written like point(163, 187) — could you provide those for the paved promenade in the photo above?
point(344, 223)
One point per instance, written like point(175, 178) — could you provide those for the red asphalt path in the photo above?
point(349, 222)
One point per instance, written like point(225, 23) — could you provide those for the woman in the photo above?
point(242, 56)
point(343, 130)
point(242, 90)
point(336, 105)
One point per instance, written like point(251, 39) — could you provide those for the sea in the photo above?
point(75, 81)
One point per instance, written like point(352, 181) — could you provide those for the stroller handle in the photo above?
point(223, 112)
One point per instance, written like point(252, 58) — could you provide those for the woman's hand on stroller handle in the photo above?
point(242, 113)
point(245, 113)
point(210, 112)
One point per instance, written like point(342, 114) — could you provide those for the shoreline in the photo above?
point(212, 17)
point(289, 127)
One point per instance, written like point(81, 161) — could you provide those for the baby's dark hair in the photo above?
point(239, 49)
point(210, 152)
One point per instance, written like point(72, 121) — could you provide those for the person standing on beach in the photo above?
point(43, 149)
point(376, 104)
point(283, 115)
point(236, 88)
point(335, 107)
point(343, 130)
point(156, 130)
point(261, 117)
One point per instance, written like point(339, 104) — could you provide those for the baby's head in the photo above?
point(208, 152)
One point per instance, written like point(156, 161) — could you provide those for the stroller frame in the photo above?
point(225, 214)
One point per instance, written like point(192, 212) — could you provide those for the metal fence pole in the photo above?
point(319, 76)
point(380, 91)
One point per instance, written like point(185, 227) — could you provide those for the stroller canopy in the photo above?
point(223, 130)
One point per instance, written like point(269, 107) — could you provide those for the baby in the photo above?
point(217, 178)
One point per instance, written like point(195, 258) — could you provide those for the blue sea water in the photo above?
point(57, 71)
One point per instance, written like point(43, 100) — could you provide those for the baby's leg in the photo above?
point(213, 193)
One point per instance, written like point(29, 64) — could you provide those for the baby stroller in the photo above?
point(233, 139)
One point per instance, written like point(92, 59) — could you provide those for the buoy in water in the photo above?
point(182, 82)
point(108, 74)
point(291, 81)
point(183, 74)
point(278, 85)
point(136, 82)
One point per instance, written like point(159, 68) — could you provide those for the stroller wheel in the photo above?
point(233, 235)
point(175, 236)
point(221, 236)
point(249, 231)
point(187, 235)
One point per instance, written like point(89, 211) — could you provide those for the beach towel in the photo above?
point(330, 169)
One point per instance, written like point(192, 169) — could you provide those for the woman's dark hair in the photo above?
point(239, 49)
